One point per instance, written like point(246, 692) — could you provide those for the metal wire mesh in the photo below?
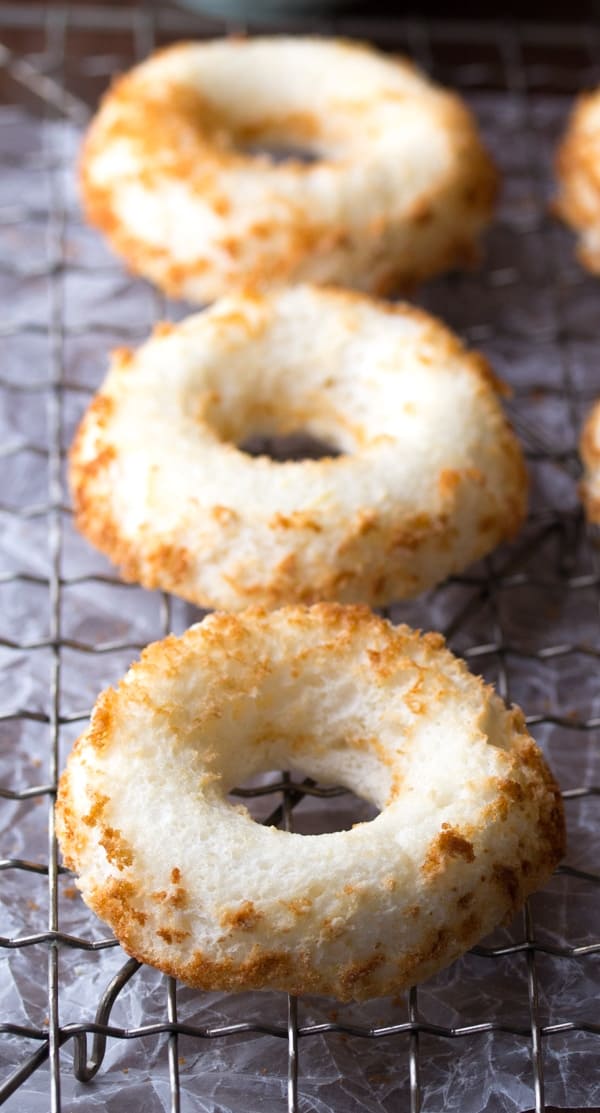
point(528, 611)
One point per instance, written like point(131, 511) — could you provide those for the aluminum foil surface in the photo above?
point(527, 619)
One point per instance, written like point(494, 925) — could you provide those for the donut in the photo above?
point(578, 169)
point(590, 456)
point(470, 819)
point(398, 188)
point(429, 478)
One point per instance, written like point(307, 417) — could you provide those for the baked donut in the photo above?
point(578, 168)
point(590, 455)
point(399, 188)
point(470, 819)
point(430, 476)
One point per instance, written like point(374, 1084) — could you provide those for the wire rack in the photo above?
point(528, 618)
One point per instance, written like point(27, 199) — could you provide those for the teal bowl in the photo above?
point(272, 12)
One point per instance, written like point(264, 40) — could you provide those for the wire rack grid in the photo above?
point(528, 618)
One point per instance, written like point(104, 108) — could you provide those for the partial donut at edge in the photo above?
point(590, 455)
point(578, 173)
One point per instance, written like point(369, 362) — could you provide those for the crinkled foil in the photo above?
point(527, 619)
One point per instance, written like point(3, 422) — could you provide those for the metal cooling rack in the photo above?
point(530, 296)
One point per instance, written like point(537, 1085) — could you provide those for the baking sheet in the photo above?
point(527, 619)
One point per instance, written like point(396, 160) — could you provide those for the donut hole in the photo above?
point(298, 445)
point(321, 809)
point(316, 816)
point(278, 419)
point(277, 151)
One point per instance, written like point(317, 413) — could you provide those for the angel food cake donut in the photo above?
point(578, 167)
point(590, 455)
point(429, 478)
point(470, 817)
point(399, 186)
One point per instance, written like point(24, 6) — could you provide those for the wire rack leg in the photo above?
point(536, 1043)
point(292, 1083)
point(173, 1046)
point(85, 1068)
point(413, 1053)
